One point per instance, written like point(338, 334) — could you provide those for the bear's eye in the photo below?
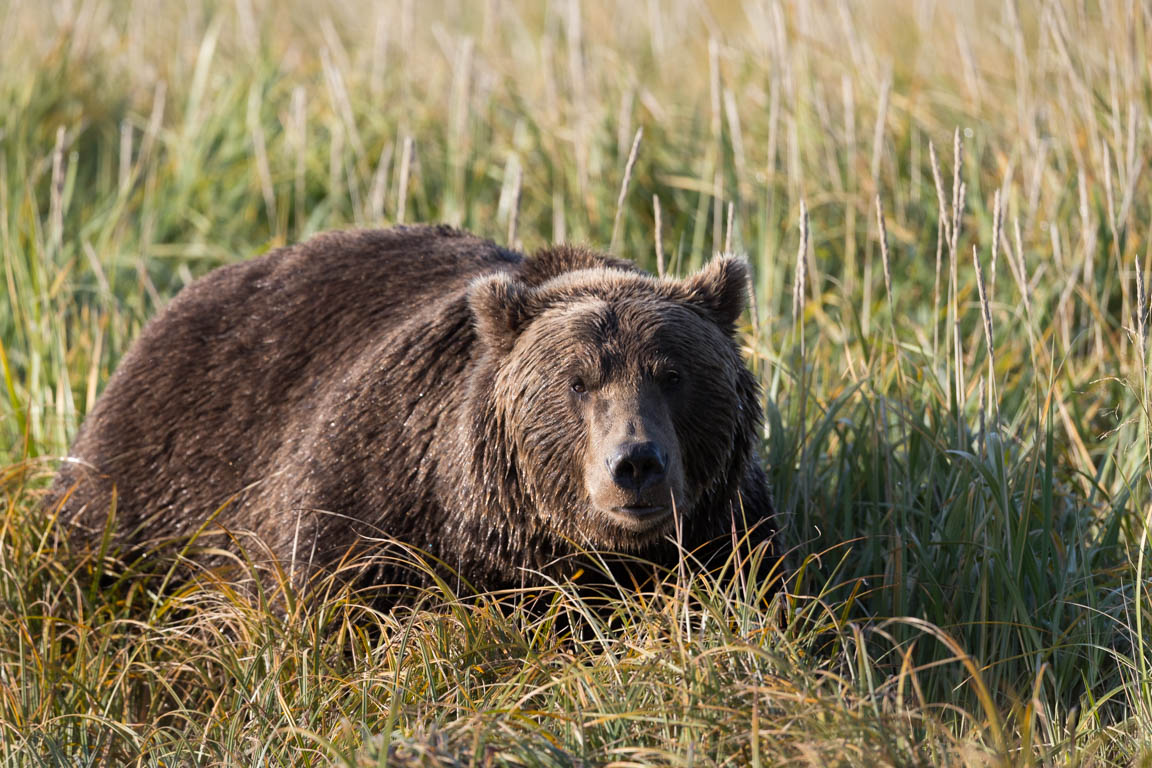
point(670, 378)
point(578, 386)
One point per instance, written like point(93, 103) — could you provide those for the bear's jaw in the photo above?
point(635, 525)
point(640, 517)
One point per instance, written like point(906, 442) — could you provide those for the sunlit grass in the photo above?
point(961, 471)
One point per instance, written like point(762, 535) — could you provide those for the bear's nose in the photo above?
point(637, 466)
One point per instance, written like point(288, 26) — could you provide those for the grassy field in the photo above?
point(957, 401)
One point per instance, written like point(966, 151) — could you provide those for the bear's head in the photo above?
point(612, 401)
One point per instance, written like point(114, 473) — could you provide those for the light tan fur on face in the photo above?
point(631, 411)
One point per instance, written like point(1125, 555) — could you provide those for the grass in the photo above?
point(956, 392)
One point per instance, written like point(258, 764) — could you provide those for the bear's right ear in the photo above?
point(501, 307)
point(720, 290)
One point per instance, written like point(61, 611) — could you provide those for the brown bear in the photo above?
point(421, 384)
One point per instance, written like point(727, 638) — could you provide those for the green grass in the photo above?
point(965, 578)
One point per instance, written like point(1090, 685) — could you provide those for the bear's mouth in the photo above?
point(641, 516)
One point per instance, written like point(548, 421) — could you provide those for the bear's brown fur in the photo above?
point(495, 411)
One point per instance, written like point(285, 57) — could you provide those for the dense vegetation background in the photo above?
point(957, 400)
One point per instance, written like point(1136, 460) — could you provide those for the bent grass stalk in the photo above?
point(986, 314)
point(632, 153)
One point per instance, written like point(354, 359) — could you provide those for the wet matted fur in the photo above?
point(422, 384)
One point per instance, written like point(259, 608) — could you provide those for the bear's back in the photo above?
point(232, 369)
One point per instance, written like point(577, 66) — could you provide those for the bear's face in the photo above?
point(622, 398)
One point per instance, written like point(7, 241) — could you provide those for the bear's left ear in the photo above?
point(720, 289)
point(501, 307)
